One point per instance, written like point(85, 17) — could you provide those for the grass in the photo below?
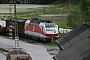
point(49, 10)
point(62, 24)
point(27, 40)
point(50, 44)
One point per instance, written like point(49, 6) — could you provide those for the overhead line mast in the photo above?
point(16, 28)
point(10, 23)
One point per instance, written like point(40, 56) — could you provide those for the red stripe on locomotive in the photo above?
point(37, 29)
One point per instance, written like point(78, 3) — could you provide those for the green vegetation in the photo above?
point(50, 44)
point(62, 24)
point(72, 21)
point(27, 40)
point(49, 10)
point(85, 8)
point(79, 14)
point(36, 12)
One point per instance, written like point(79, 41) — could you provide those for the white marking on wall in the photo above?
point(33, 28)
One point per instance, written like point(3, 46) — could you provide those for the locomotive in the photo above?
point(43, 30)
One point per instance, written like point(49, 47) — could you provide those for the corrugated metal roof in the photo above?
point(75, 45)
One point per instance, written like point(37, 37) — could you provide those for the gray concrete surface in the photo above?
point(2, 56)
point(37, 52)
point(52, 50)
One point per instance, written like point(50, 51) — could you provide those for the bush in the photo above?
point(75, 18)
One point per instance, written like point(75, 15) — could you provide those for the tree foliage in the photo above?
point(75, 18)
point(85, 8)
point(78, 15)
point(42, 1)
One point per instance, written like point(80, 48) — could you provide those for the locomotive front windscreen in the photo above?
point(50, 28)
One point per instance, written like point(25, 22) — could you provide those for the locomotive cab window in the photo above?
point(50, 28)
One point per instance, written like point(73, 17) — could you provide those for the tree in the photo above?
point(75, 1)
point(85, 8)
point(1, 1)
point(75, 18)
point(42, 1)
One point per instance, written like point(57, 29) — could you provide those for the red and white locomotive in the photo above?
point(41, 29)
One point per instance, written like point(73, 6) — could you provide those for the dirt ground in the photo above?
point(4, 8)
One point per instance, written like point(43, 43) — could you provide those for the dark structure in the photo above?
point(75, 45)
point(23, 1)
point(20, 25)
point(18, 55)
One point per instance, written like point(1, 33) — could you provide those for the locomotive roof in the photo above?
point(38, 21)
point(18, 19)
